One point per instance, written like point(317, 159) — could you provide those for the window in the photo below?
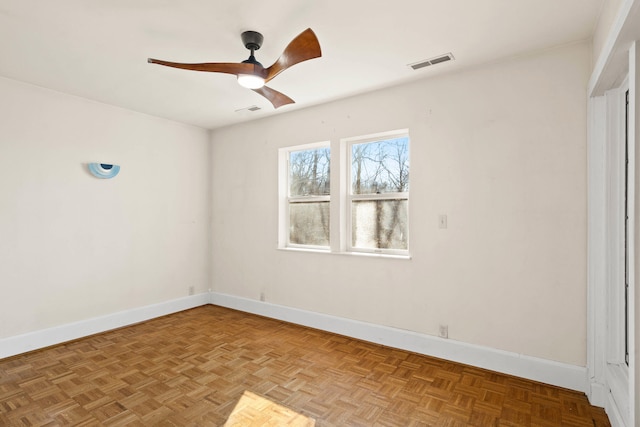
point(379, 194)
point(365, 208)
point(308, 197)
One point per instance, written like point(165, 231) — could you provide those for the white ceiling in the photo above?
point(98, 49)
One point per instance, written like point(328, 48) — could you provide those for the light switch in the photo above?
point(442, 221)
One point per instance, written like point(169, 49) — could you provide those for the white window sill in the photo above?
point(362, 254)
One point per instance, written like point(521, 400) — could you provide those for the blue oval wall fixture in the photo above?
point(103, 170)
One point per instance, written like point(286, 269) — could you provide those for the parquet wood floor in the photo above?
point(192, 368)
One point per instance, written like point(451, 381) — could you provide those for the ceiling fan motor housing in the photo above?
point(252, 40)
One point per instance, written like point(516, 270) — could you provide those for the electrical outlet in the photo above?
point(443, 331)
point(192, 290)
point(262, 296)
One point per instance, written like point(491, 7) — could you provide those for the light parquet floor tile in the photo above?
point(193, 368)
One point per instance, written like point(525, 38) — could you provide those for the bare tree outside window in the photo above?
point(309, 190)
point(379, 188)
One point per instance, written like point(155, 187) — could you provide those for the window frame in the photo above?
point(349, 198)
point(339, 199)
point(616, 371)
point(284, 168)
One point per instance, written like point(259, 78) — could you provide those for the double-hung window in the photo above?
point(365, 209)
point(378, 197)
point(308, 196)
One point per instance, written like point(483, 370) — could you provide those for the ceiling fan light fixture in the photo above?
point(250, 81)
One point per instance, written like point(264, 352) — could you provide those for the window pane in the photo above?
point(309, 172)
point(309, 223)
point(380, 167)
point(379, 224)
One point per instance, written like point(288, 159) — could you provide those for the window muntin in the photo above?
point(379, 194)
point(308, 200)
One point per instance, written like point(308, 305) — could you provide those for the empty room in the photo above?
point(320, 213)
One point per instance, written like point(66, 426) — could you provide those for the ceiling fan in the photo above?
point(250, 73)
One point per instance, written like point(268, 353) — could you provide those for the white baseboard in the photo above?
point(597, 394)
point(550, 372)
point(44, 338)
point(546, 371)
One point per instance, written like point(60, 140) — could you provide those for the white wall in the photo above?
point(74, 247)
point(500, 149)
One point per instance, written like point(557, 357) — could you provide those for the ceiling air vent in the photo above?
point(432, 61)
point(250, 109)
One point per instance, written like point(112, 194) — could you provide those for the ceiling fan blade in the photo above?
point(305, 46)
point(215, 67)
point(276, 98)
